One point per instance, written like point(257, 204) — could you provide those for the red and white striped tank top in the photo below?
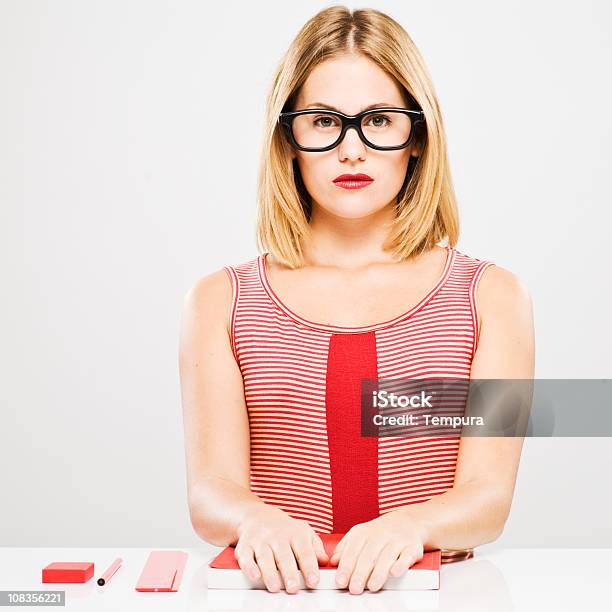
point(302, 392)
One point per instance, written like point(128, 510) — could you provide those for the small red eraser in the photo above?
point(68, 571)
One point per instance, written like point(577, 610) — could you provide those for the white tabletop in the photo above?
point(496, 579)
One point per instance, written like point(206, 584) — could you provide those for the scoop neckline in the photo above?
point(263, 277)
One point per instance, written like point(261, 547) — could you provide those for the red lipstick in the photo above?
point(353, 181)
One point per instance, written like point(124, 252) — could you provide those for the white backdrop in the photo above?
point(126, 176)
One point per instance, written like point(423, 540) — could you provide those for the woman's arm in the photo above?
point(269, 542)
point(214, 413)
point(475, 509)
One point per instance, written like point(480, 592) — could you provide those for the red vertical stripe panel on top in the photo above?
point(353, 458)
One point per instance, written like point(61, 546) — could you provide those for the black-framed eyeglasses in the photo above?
point(320, 129)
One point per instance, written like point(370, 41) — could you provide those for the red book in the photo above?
point(223, 571)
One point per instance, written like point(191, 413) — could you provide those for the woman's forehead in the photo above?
point(349, 83)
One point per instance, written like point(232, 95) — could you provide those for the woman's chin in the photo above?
point(353, 209)
point(353, 212)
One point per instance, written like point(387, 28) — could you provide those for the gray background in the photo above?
point(124, 179)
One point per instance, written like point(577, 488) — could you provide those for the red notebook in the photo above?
point(223, 572)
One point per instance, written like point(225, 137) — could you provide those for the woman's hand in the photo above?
point(370, 552)
point(270, 540)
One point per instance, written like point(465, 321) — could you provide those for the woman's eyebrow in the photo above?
point(370, 107)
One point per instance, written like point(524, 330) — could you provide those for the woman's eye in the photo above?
point(325, 122)
point(379, 120)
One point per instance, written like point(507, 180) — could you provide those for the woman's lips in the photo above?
point(353, 181)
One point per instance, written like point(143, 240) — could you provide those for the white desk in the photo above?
point(494, 580)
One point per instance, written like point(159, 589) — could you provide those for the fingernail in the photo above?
point(356, 586)
point(313, 578)
point(291, 584)
point(341, 579)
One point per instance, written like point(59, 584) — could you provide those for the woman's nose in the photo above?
point(351, 146)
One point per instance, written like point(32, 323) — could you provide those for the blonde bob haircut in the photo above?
point(426, 208)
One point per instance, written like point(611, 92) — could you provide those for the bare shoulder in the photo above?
point(506, 346)
point(500, 288)
point(504, 297)
point(209, 298)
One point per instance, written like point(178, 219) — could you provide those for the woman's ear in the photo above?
point(418, 144)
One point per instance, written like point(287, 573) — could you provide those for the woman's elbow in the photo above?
point(206, 530)
point(500, 510)
point(203, 521)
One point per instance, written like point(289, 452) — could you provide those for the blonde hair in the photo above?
point(426, 210)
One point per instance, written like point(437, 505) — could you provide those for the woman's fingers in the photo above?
point(246, 561)
point(388, 556)
point(409, 556)
point(267, 566)
point(337, 553)
point(306, 556)
point(272, 545)
point(285, 561)
point(348, 560)
point(363, 566)
point(319, 549)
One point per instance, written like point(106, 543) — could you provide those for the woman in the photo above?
point(353, 201)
